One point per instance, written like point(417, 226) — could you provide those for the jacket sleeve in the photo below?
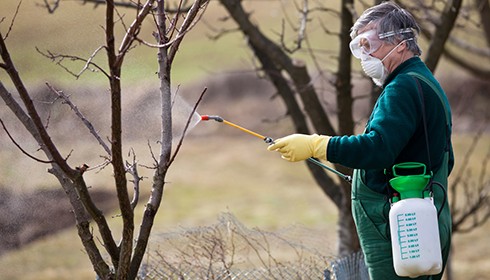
point(392, 123)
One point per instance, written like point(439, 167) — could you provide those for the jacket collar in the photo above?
point(404, 67)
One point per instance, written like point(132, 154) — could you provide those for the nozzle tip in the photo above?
point(207, 118)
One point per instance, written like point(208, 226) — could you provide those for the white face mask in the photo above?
point(374, 68)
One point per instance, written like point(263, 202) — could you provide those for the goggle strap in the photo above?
point(393, 33)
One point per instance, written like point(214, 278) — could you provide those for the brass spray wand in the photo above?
point(270, 141)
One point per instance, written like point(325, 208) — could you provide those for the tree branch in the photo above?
point(51, 7)
point(177, 149)
point(303, 19)
point(13, 20)
point(133, 30)
point(480, 72)
point(132, 168)
point(165, 57)
point(86, 122)
point(165, 148)
point(441, 34)
point(114, 62)
point(19, 147)
point(59, 58)
point(189, 22)
point(70, 188)
point(132, 5)
point(477, 204)
point(284, 90)
point(296, 69)
point(32, 112)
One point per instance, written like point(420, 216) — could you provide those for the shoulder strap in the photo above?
point(437, 91)
point(424, 121)
point(442, 99)
point(436, 179)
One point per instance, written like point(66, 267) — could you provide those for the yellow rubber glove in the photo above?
point(297, 147)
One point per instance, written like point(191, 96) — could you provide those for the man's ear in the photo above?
point(402, 47)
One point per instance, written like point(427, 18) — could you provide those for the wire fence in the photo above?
point(228, 250)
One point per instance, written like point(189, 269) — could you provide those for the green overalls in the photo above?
point(370, 211)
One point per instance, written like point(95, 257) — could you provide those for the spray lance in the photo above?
point(270, 141)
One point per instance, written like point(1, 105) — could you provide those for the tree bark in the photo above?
point(126, 244)
point(441, 34)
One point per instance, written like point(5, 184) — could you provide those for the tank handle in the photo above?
point(409, 168)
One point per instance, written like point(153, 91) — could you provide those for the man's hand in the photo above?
point(297, 147)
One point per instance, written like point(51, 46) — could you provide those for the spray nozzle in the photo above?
point(207, 118)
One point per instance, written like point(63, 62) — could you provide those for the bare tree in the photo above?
point(126, 255)
point(448, 29)
point(295, 84)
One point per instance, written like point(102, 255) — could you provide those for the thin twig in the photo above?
point(155, 160)
point(160, 45)
point(134, 28)
point(51, 9)
point(45, 139)
point(460, 175)
point(186, 127)
point(89, 61)
point(100, 166)
point(13, 20)
point(173, 23)
point(20, 148)
point(88, 124)
point(131, 5)
point(191, 19)
point(58, 59)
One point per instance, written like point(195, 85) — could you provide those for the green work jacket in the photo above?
point(394, 132)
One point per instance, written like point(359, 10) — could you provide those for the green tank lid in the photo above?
point(410, 179)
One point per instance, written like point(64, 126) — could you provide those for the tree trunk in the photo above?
point(441, 34)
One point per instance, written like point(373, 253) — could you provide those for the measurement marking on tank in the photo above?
point(408, 235)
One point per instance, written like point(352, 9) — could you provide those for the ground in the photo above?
point(27, 217)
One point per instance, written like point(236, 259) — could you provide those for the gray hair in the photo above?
point(392, 23)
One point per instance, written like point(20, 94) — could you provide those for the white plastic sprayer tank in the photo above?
point(413, 225)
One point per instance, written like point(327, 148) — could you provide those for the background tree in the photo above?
point(126, 255)
point(296, 84)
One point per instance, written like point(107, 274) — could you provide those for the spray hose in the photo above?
point(270, 141)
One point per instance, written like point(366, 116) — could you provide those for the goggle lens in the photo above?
point(365, 44)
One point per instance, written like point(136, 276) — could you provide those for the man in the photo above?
point(403, 127)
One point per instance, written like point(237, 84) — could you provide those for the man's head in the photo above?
point(392, 25)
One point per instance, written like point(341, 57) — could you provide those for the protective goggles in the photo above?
point(365, 44)
point(368, 42)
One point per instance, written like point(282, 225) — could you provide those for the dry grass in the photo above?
point(216, 174)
